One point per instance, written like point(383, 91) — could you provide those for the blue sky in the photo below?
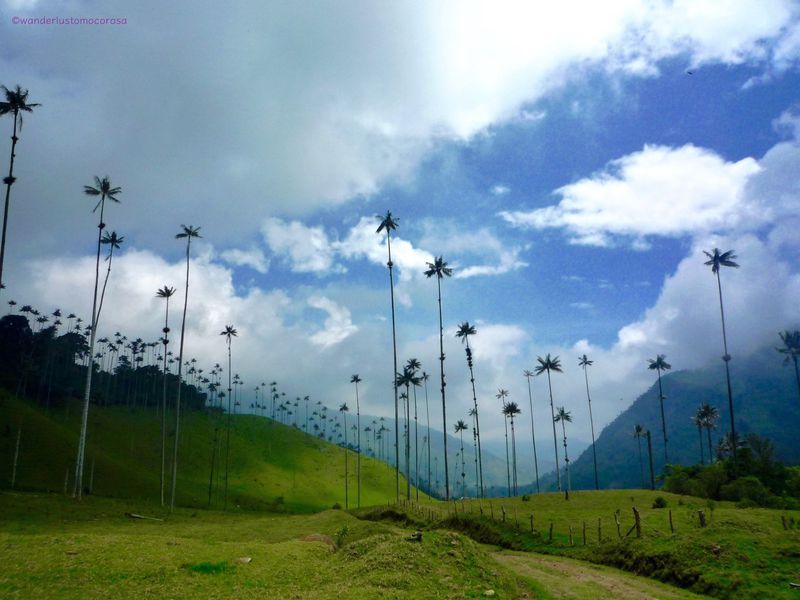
point(571, 163)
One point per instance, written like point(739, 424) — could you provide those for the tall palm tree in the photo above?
point(229, 332)
point(389, 223)
point(546, 365)
point(425, 378)
point(717, 260)
point(440, 269)
point(639, 433)
point(166, 292)
point(113, 241)
point(460, 427)
point(564, 417)
point(15, 103)
point(501, 395)
point(344, 410)
point(528, 374)
point(472, 413)
point(584, 362)
point(698, 418)
point(660, 364)
point(464, 331)
point(188, 232)
point(356, 380)
point(511, 409)
point(710, 416)
point(791, 348)
point(106, 191)
point(413, 366)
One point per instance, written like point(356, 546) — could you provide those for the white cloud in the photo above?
point(658, 191)
point(338, 324)
point(253, 258)
point(500, 190)
point(306, 249)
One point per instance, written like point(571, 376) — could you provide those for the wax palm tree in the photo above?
point(659, 364)
point(472, 413)
point(564, 417)
point(584, 362)
point(511, 409)
point(501, 395)
point(344, 410)
point(356, 380)
point(113, 241)
point(188, 232)
point(639, 433)
point(791, 348)
point(528, 374)
point(698, 418)
point(710, 416)
point(440, 269)
point(546, 365)
point(414, 365)
point(15, 103)
point(460, 427)
point(425, 378)
point(166, 292)
point(464, 331)
point(717, 260)
point(229, 332)
point(105, 191)
point(389, 223)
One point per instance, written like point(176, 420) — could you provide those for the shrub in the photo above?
point(336, 506)
point(525, 497)
point(659, 502)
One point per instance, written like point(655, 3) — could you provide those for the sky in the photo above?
point(570, 162)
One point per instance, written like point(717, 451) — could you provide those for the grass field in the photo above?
point(741, 553)
point(55, 547)
point(272, 466)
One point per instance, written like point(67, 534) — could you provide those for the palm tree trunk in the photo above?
point(358, 458)
point(700, 433)
point(650, 460)
point(710, 451)
point(478, 493)
point(663, 420)
point(463, 470)
point(428, 413)
point(555, 440)
point(566, 458)
point(394, 372)
point(533, 439)
point(213, 463)
point(444, 407)
point(641, 462)
point(727, 359)
point(408, 443)
point(9, 181)
point(508, 460)
point(477, 421)
point(346, 499)
point(796, 375)
point(591, 423)
point(16, 457)
point(228, 432)
point(178, 395)
point(514, 455)
point(77, 491)
point(416, 446)
point(164, 410)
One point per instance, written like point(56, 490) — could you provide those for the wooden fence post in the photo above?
point(584, 533)
point(570, 536)
point(616, 520)
point(504, 513)
point(637, 523)
point(550, 537)
point(702, 515)
point(599, 529)
point(531, 522)
point(783, 522)
point(671, 526)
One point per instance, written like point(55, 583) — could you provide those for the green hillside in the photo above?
point(272, 466)
point(765, 401)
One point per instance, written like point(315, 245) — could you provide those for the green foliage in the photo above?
point(208, 568)
point(660, 502)
point(341, 534)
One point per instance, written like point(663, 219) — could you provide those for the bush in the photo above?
point(525, 497)
point(747, 489)
point(659, 502)
point(336, 506)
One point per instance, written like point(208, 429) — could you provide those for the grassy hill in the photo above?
point(272, 466)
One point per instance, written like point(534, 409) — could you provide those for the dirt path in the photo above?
point(557, 577)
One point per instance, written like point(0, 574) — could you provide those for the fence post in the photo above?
point(570, 536)
point(584, 533)
point(504, 513)
point(599, 529)
point(702, 515)
point(531, 522)
point(671, 526)
point(616, 520)
point(637, 523)
point(551, 532)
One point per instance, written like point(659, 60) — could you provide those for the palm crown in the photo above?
point(511, 409)
point(791, 344)
point(465, 330)
point(355, 379)
point(460, 426)
point(229, 332)
point(103, 188)
point(165, 292)
point(584, 361)
point(659, 363)
point(719, 259)
point(563, 415)
point(439, 268)
point(188, 231)
point(112, 239)
point(387, 222)
point(16, 102)
point(548, 364)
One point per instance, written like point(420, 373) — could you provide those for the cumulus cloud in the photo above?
point(252, 257)
point(658, 191)
point(338, 324)
point(305, 249)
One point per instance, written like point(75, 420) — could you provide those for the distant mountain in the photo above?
point(765, 402)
